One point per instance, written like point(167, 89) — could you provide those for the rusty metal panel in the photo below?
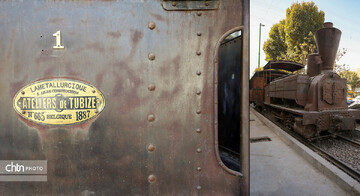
point(156, 133)
point(176, 5)
point(294, 87)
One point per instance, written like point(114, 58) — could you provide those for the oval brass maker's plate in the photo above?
point(58, 101)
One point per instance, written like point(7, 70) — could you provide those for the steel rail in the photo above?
point(338, 163)
point(349, 140)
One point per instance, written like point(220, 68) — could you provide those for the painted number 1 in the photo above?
point(58, 40)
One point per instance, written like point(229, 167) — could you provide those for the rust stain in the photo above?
point(16, 86)
point(99, 79)
point(85, 22)
point(50, 71)
point(171, 95)
point(96, 47)
point(136, 36)
point(157, 16)
point(11, 43)
point(115, 34)
point(174, 66)
point(70, 70)
point(130, 102)
point(56, 20)
point(117, 87)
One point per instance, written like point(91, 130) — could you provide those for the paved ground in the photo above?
point(276, 169)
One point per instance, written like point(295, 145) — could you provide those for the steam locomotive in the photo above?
point(307, 103)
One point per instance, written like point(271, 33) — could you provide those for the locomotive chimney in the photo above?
point(313, 64)
point(327, 42)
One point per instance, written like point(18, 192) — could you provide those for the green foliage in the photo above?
point(351, 78)
point(293, 38)
point(275, 46)
point(258, 69)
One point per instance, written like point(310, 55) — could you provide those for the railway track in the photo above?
point(340, 151)
point(349, 164)
point(349, 140)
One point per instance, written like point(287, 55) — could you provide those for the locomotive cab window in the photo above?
point(228, 99)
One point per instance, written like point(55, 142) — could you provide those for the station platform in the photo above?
point(277, 168)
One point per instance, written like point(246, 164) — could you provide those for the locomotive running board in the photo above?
point(299, 112)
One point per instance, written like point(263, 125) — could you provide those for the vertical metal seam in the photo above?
point(245, 110)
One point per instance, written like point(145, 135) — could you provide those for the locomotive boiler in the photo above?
point(314, 102)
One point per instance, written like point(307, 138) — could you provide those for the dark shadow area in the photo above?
point(229, 82)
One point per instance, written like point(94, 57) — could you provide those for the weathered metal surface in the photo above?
point(294, 87)
point(285, 65)
point(258, 82)
point(177, 5)
point(58, 101)
point(327, 42)
point(313, 65)
point(327, 92)
point(107, 44)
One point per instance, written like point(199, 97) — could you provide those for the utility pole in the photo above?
point(259, 42)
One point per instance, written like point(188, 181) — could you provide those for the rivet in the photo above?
point(198, 188)
point(151, 87)
point(151, 117)
point(152, 178)
point(207, 3)
point(151, 25)
point(198, 13)
point(198, 72)
point(199, 168)
point(151, 56)
point(198, 111)
point(174, 4)
point(23, 92)
point(198, 53)
point(198, 92)
point(198, 130)
point(23, 112)
point(198, 150)
point(93, 91)
point(151, 147)
point(198, 34)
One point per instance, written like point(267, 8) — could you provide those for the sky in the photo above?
point(345, 15)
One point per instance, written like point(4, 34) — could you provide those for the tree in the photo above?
point(275, 46)
point(258, 69)
point(337, 67)
point(351, 78)
point(293, 38)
